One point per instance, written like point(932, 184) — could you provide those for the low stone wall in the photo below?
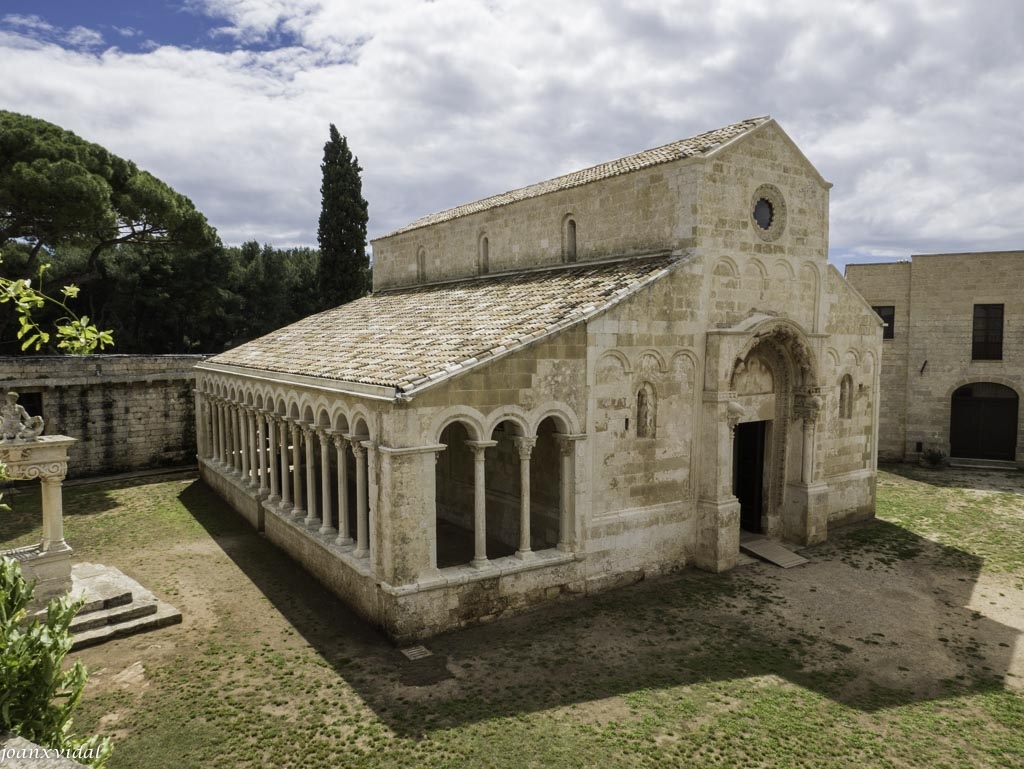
point(128, 412)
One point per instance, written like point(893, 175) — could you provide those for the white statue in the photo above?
point(15, 422)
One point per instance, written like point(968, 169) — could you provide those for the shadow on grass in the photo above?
point(878, 619)
point(26, 513)
point(959, 477)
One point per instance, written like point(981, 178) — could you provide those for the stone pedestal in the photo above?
point(48, 564)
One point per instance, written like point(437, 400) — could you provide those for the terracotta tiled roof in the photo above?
point(683, 148)
point(413, 337)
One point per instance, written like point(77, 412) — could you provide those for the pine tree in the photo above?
point(342, 271)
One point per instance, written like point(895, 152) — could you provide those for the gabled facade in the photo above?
point(953, 369)
point(562, 389)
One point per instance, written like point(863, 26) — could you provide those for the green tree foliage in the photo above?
point(148, 266)
point(37, 696)
point(342, 271)
point(57, 189)
point(277, 288)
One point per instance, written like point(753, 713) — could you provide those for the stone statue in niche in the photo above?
point(646, 413)
point(15, 422)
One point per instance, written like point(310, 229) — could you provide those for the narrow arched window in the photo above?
point(569, 240)
point(485, 256)
point(846, 397)
point(421, 265)
point(646, 412)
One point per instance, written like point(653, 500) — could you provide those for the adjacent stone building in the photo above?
point(953, 363)
point(562, 389)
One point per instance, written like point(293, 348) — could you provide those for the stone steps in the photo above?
point(115, 606)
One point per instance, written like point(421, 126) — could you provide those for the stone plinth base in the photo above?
point(49, 570)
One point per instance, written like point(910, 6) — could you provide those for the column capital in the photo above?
point(525, 444)
point(480, 446)
point(338, 439)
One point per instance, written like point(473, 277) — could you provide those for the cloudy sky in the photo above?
point(912, 108)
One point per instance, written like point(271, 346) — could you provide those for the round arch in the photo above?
point(984, 417)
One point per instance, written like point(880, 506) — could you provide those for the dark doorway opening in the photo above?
point(983, 422)
point(748, 473)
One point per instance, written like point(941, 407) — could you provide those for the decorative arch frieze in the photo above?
point(618, 356)
point(725, 268)
point(659, 361)
point(832, 359)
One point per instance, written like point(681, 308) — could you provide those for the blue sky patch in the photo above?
point(130, 25)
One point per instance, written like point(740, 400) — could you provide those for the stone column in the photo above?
point(325, 482)
point(250, 420)
point(811, 409)
point(243, 434)
point(53, 514)
point(236, 419)
point(229, 449)
point(275, 488)
point(525, 447)
point(286, 494)
point(362, 515)
point(219, 429)
point(344, 535)
point(567, 455)
point(261, 450)
point(236, 460)
point(298, 511)
point(480, 501)
point(312, 516)
point(229, 454)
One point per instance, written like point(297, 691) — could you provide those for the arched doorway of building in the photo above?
point(983, 422)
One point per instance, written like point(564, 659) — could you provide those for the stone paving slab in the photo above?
point(773, 552)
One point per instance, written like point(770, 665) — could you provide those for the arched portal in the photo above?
point(983, 421)
point(773, 415)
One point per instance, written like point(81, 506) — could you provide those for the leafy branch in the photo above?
point(75, 334)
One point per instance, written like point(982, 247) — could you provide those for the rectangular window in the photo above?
point(888, 314)
point(987, 341)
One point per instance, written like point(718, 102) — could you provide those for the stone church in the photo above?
point(563, 388)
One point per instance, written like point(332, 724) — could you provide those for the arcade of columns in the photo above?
point(253, 444)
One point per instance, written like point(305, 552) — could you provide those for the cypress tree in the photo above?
point(342, 270)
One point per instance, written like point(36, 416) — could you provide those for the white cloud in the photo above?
point(83, 37)
point(28, 22)
point(909, 107)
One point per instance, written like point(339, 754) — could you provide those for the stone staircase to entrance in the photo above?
point(115, 606)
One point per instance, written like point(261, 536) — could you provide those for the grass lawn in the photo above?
point(897, 646)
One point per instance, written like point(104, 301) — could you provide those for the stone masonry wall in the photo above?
point(128, 412)
point(889, 285)
point(635, 213)
point(934, 327)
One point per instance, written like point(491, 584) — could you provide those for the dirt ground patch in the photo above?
point(888, 648)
